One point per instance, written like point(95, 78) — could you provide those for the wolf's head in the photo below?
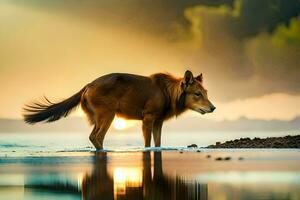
point(195, 94)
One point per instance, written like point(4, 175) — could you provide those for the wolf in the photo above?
point(152, 99)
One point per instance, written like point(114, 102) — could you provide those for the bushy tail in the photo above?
point(48, 111)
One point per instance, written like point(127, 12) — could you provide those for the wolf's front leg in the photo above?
point(147, 130)
point(157, 132)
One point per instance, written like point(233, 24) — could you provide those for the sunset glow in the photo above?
point(119, 124)
point(151, 100)
point(123, 177)
point(122, 124)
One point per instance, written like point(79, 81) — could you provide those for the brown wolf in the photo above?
point(151, 99)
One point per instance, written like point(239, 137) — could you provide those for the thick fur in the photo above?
point(151, 99)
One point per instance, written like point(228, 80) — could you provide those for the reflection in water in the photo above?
point(125, 178)
point(98, 185)
point(138, 182)
point(151, 175)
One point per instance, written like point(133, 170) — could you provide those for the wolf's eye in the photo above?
point(197, 94)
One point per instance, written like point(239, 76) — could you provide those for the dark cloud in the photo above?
point(263, 15)
point(250, 49)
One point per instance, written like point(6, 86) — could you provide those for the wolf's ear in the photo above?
point(199, 78)
point(188, 79)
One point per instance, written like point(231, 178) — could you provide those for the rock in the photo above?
point(227, 158)
point(180, 151)
point(198, 151)
point(240, 158)
point(192, 146)
point(269, 142)
point(208, 156)
point(218, 159)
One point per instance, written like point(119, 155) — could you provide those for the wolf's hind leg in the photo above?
point(93, 137)
point(104, 124)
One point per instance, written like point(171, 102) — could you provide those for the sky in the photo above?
point(247, 50)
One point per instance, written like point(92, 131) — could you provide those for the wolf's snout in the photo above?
point(212, 108)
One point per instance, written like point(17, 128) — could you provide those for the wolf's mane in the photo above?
point(174, 94)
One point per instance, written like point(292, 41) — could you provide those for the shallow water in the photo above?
point(30, 144)
point(62, 166)
point(262, 174)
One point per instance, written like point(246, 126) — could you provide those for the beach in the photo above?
point(153, 174)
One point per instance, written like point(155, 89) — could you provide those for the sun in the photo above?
point(120, 124)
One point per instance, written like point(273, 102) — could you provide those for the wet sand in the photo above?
point(248, 174)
